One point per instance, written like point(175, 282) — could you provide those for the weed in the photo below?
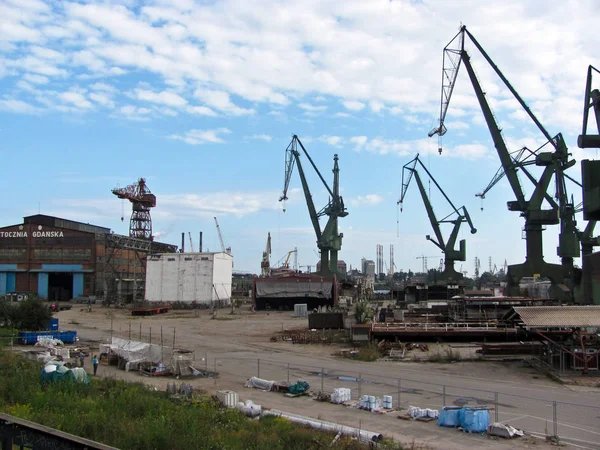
point(131, 416)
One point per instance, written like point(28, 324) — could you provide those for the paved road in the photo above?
point(528, 406)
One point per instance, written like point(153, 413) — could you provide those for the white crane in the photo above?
point(191, 243)
point(265, 264)
point(223, 249)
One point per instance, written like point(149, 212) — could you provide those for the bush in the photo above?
point(31, 314)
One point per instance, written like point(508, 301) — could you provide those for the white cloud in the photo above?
point(262, 137)
point(220, 100)
point(103, 99)
point(17, 106)
point(312, 108)
point(342, 114)
point(369, 199)
point(75, 98)
point(135, 113)
point(334, 141)
point(164, 97)
point(37, 79)
point(359, 142)
point(353, 105)
point(201, 111)
point(196, 137)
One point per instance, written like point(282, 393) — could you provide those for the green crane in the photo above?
point(456, 217)
point(554, 163)
point(329, 241)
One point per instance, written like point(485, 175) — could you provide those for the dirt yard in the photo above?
point(238, 346)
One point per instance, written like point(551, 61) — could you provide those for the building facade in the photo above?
point(60, 259)
point(202, 278)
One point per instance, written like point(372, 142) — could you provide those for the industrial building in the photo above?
point(60, 259)
point(201, 278)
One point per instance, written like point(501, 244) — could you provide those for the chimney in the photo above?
point(182, 243)
point(200, 248)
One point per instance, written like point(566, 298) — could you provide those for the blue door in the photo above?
point(3, 283)
point(43, 284)
point(11, 281)
point(77, 284)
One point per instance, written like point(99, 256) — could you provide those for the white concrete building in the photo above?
point(187, 277)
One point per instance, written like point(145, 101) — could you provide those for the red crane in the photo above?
point(140, 224)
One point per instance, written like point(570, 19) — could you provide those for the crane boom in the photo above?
point(329, 241)
point(191, 242)
point(555, 163)
point(409, 171)
point(220, 237)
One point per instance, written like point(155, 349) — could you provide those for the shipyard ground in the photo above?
point(236, 342)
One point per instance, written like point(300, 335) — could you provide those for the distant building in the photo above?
point(369, 268)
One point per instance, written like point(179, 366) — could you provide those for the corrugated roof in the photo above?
point(559, 316)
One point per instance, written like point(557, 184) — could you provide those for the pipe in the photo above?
point(363, 435)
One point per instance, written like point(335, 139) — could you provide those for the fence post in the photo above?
point(443, 395)
point(554, 418)
point(496, 406)
point(399, 391)
point(206, 361)
point(215, 370)
point(288, 373)
point(322, 379)
point(359, 386)
point(258, 374)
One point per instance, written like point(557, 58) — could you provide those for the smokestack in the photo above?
point(200, 248)
point(183, 242)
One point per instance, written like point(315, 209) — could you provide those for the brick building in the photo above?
point(61, 259)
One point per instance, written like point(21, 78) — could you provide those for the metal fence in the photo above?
point(551, 418)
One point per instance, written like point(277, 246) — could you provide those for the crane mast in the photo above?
point(457, 217)
point(329, 240)
point(554, 164)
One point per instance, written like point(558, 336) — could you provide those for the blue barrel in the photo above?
point(449, 416)
point(474, 420)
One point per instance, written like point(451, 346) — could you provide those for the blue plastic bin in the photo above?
point(449, 416)
point(474, 420)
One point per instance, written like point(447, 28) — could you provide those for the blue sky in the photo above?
point(202, 97)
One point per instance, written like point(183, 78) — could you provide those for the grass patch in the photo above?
point(131, 416)
point(366, 353)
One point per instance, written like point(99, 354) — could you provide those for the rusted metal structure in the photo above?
point(142, 200)
point(570, 334)
point(60, 259)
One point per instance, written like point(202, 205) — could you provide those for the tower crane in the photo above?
point(223, 249)
point(456, 217)
point(424, 259)
point(554, 163)
point(329, 241)
point(265, 264)
point(142, 200)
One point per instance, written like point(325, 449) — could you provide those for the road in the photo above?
point(239, 347)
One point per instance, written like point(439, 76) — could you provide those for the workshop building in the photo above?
point(60, 259)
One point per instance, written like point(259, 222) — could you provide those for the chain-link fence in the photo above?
point(551, 418)
point(543, 417)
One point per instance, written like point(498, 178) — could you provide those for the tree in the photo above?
point(31, 314)
point(363, 312)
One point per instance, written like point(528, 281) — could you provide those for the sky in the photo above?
point(202, 98)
